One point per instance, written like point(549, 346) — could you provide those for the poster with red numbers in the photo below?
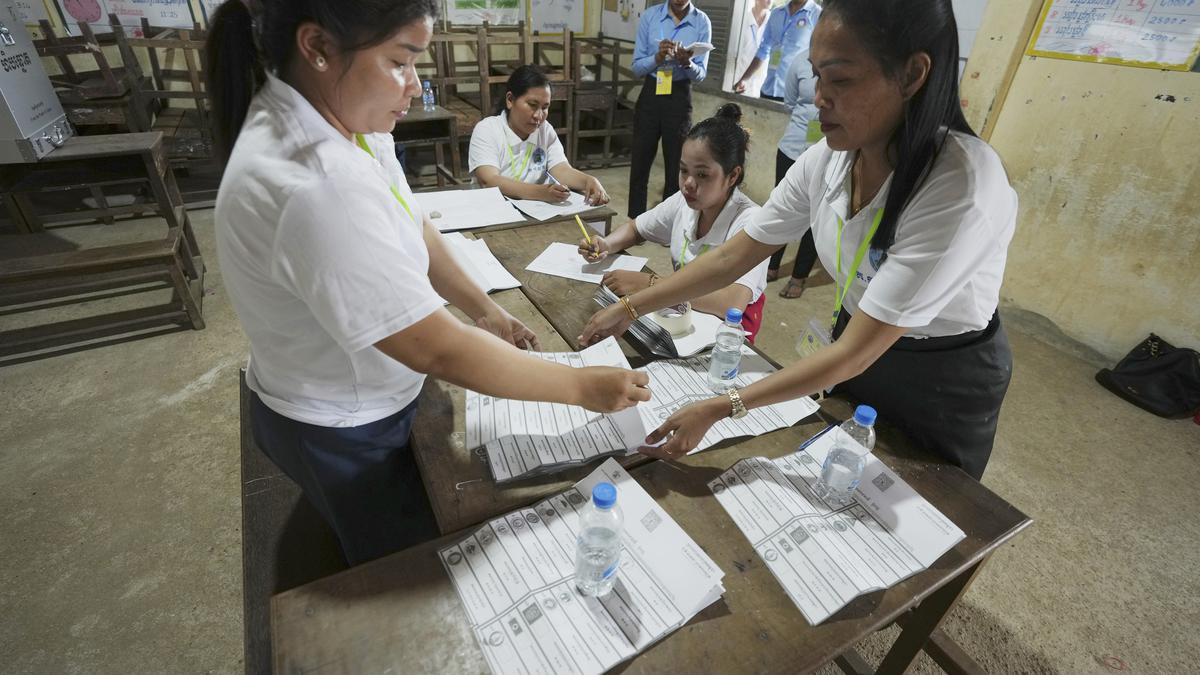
point(1162, 34)
point(160, 14)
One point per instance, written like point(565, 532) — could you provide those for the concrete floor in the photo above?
point(120, 511)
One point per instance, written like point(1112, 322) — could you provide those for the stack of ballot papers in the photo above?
point(658, 340)
point(563, 260)
point(450, 210)
point(516, 579)
point(477, 261)
point(539, 210)
point(825, 557)
point(525, 438)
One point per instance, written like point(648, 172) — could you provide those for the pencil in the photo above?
point(586, 236)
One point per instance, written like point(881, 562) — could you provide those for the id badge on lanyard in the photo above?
point(664, 76)
point(777, 54)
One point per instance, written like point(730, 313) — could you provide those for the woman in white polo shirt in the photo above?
point(708, 210)
point(518, 151)
point(336, 275)
point(913, 215)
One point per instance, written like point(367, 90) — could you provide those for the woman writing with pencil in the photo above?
point(708, 210)
point(518, 151)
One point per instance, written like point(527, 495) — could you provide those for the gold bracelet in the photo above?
point(629, 306)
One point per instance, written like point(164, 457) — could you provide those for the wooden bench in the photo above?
point(29, 282)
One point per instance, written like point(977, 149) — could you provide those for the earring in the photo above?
point(320, 63)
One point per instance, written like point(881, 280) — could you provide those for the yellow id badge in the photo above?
point(814, 336)
point(776, 57)
point(662, 87)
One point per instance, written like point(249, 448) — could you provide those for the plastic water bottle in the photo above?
point(843, 467)
point(598, 546)
point(726, 352)
point(427, 96)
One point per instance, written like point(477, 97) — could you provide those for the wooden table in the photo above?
point(402, 612)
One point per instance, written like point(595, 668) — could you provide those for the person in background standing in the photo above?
point(664, 108)
point(752, 36)
point(789, 29)
point(802, 131)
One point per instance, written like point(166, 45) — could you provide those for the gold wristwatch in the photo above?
point(738, 409)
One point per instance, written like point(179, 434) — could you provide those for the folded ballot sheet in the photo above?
point(515, 576)
point(479, 263)
point(825, 556)
point(525, 438)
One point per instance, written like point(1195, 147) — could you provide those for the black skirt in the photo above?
point(944, 393)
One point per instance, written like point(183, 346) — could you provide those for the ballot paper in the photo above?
point(563, 260)
point(477, 261)
point(516, 578)
point(658, 340)
point(539, 210)
point(524, 439)
point(700, 48)
point(527, 437)
point(825, 557)
point(450, 210)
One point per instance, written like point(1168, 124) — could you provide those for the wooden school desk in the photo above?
point(402, 612)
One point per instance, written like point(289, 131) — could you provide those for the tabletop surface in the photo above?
point(402, 611)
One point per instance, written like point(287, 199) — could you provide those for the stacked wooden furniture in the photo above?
point(32, 198)
point(603, 104)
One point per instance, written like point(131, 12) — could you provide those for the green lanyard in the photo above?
point(362, 143)
point(862, 251)
point(512, 161)
point(683, 251)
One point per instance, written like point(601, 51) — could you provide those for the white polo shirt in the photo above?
point(942, 275)
point(494, 143)
point(673, 223)
point(321, 261)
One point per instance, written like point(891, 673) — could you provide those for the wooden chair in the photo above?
point(104, 96)
point(33, 192)
point(603, 106)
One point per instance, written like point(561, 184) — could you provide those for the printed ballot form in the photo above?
point(563, 260)
point(825, 557)
point(527, 438)
point(516, 578)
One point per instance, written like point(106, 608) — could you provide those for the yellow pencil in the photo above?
point(583, 229)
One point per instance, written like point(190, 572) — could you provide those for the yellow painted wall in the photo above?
point(1106, 160)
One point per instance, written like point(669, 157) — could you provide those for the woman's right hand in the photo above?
point(612, 320)
point(604, 389)
point(552, 193)
point(594, 252)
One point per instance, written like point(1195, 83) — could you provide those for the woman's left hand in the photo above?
point(508, 328)
point(594, 192)
point(624, 282)
point(684, 430)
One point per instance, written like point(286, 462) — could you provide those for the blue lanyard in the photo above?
point(802, 14)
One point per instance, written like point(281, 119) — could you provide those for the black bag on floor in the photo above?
point(1157, 378)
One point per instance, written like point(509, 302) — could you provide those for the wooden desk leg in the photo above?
point(455, 159)
point(924, 620)
point(439, 160)
point(16, 214)
point(28, 216)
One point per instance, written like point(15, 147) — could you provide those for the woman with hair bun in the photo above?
point(912, 214)
point(708, 211)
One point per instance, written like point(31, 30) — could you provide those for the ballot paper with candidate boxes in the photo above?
point(527, 438)
point(515, 576)
point(825, 556)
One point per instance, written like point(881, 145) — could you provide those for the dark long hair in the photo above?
point(522, 80)
point(726, 138)
point(894, 30)
point(242, 47)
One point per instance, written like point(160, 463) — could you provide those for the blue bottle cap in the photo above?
point(604, 495)
point(864, 415)
point(733, 315)
point(425, 83)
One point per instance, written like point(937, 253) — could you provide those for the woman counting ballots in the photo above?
point(913, 215)
point(707, 211)
point(518, 151)
point(336, 275)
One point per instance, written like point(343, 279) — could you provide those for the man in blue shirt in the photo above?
point(789, 29)
point(664, 108)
